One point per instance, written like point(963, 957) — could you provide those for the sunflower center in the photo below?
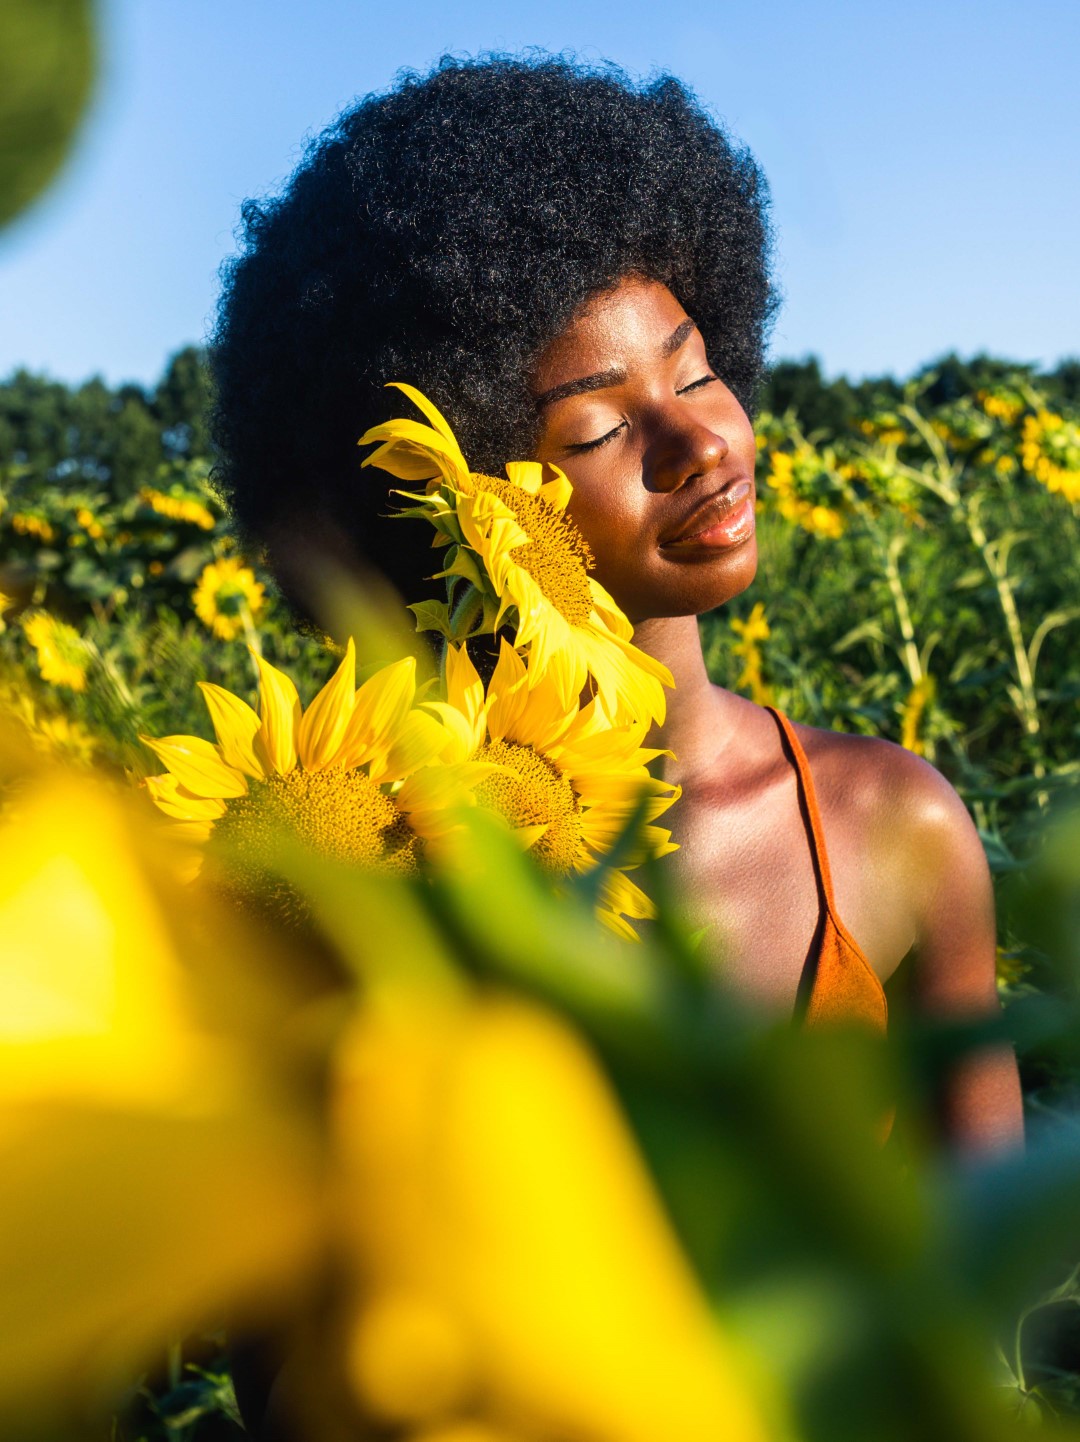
point(340, 813)
point(534, 792)
point(556, 554)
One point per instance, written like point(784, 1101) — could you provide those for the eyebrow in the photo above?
point(614, 375)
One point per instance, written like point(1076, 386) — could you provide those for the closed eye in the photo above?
point(600, 440)
point(694, 385)
point(610, 436)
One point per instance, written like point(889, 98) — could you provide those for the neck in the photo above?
point(676, 641)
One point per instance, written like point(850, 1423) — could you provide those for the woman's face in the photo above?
point(659, 452)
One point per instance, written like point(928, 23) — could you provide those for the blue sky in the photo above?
point(922, 159)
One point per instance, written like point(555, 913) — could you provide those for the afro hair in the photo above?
point(443, 233)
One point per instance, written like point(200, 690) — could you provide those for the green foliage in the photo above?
point(919, 579)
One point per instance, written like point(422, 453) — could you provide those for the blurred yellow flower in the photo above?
point(148, 1172)
point(1001, 406)
point(90, 523)
point(1050, 451)
point(519, 1278)
point(90, 993)
point(512, 540)
point(227, 591)
point(911, 716)
point(352, 776)
point(567, 781)
point(179, 506)
point(800, 478)
point(31, 523)
point(62, 654)
point(61, 737)
point(751, 633)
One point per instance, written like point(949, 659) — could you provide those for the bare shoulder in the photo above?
point(913, 847)
point(879, 781)
point(910, 827)
point(899, 824)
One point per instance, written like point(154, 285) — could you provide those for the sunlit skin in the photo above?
point(661, 456)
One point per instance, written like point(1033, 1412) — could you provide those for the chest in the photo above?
point(746, 871)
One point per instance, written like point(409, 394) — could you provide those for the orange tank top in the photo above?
point(837, 983)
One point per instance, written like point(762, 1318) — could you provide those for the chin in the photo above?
point(712, 584)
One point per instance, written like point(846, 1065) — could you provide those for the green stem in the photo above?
point(466, 611)
point(175, 1364)
point(944, 484)
point(912, 659)
point(251, 635)
point(1018, 1351)
point(890, 554)
point(1029, 706)
point(113, 676)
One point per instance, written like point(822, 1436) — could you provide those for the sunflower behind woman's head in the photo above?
point(522, 558)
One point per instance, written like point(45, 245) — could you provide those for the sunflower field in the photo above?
point(917, 582)
point(360, 1079)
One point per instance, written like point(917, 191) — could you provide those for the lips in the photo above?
point(710, 511)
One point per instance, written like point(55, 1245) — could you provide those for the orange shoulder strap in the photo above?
point(809, 799)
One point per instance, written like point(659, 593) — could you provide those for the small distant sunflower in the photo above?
point(33, 523)
point(511, 539)
point(85, 518)
point(568, 782)
point(62, 654)
point(178, 505)
point(352, 775)
point(224, 591)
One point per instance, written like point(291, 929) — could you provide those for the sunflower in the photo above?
point(352, 775)
point(179, 505)
point(227, 589)
point(62, 654)
point(569, 782)
point(511, 540)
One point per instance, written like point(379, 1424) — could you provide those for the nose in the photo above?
point(683, 449)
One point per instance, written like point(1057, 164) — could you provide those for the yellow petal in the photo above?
point(526, 474)
point(323, 724)
point(462, 737)
point(413, 452)
point(625, 896)
point(381, 705)
point(612, 615)
point(176, 801)
point(557, 492)
point(279, 710)
point(430, 409)
point(434, 796)
point(490, 1158)
point(507, 691)
point(464, 688)
point(197, 765)
point(235, 725)
point(419, 741)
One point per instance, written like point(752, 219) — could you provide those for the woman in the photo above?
point(576, 269)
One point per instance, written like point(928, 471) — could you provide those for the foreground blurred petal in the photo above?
point(497, 1196)
point(151, 1168)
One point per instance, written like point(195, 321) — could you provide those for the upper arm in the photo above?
point(952, 966)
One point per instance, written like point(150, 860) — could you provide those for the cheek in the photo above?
point(611, 532)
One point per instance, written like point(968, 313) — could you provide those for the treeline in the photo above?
point(832, 406)
point(116, 439)
point(97, 437)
